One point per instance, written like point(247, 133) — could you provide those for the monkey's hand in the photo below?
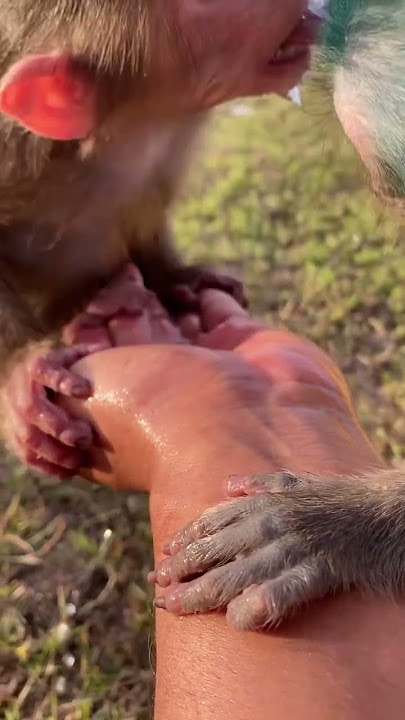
point(185, 285)
point(290, 541)
point(124, 312)
point(39, 432)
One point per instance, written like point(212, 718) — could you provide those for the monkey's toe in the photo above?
point(53, 371)
point(43, 434)
point(46, 438)
point(39, 450)
point(265, 606)
point(230, 513)
point(258, 592)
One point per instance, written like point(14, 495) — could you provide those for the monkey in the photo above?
point(289, 540)
point(363, 55)
point(101, 104)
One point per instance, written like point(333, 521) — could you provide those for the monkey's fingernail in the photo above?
point(175, 601)
point(80, 436)
point(164, 573)
point(152, 577)
point(81, 390)
point(236, 485)
point(71, 439)
point(175, 545)
point(75, 387)
point(159, 602)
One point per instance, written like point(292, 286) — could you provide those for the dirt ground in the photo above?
point(281, 201)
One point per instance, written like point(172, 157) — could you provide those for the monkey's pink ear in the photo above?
point(50, 96)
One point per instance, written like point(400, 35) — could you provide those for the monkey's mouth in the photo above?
point(297, 45)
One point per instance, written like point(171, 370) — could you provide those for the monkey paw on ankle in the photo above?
point(289, 541)
point(42, 434)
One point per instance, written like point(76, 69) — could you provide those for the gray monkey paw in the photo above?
point(260, 556)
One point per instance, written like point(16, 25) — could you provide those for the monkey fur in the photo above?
point(292, 539)
point(363, 55)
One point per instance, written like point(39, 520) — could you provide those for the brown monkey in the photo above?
point(100, 103)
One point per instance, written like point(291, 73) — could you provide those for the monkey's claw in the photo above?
point(42, 434)
point(259, 556)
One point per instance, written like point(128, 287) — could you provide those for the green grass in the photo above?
point(281, 201)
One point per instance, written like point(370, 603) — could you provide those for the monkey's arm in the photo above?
point(290, 541)
point(33, 427)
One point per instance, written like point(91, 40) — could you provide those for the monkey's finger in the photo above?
point(61, 380)
point(266, 605)
point(121, 296)
point(130, 271)
point(125, 330)
point(53, 372)
point(218, 587)
point(89, 329)
point(33, 442)
point(163, 331)
point(229, 285)
point(214, 550)
point(29, 405)
point(153, 326)
point(162, 328)
point(47, 468)
point(67, 356)
point(239, 485)
point(217, 518)
point(229, 334)
point(38, 410)
point(190, 326)
point(218, 306)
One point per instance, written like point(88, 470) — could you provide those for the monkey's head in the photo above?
point(364, 45)
point(187, 54)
